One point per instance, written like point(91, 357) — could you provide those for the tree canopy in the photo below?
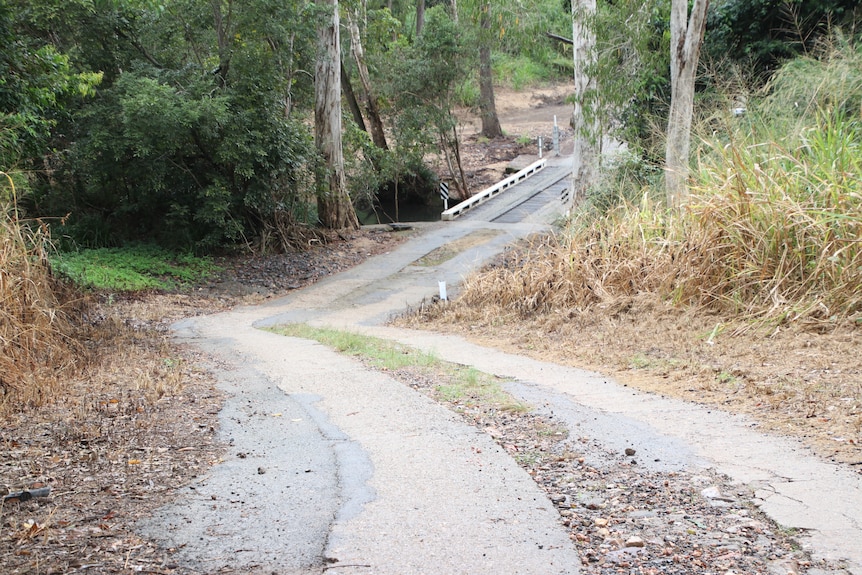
point(190, 122)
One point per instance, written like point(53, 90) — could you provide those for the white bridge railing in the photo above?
point(494, 190)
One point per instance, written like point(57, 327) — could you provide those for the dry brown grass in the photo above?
point(115, 441)
point(799, 378)
point(38, 346)
point(777, 265)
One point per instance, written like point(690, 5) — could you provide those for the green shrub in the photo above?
point(467, 93)
point(520, 71)
point(624, 179)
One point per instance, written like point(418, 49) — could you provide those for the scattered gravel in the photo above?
point(624, 518)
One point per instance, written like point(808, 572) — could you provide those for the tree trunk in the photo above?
point(586, 136)
point(686, 38)
point(371, 110)
point(334, 208)
point(420, 16)
point(452, 148)
point(487, 106)
point(287, 71)
point(350, 96)
point(222, 24)
point(457, 149)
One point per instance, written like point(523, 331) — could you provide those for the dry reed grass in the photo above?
point(771, 240)
point(772, 231)
point(37, 342)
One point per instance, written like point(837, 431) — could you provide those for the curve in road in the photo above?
point(334, 466)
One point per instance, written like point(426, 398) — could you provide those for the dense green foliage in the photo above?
point(188, 122)
point(37, 85)
point(190, 141)
point(764, 33)
point(421, 84)
point(633, 71)
point(744, 42)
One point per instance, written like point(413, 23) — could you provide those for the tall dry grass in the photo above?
point(773, 230)
point(37, 343)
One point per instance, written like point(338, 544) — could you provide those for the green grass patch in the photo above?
point(379, 353)
point(520, 71)
point(726, 378)
point(448, 251)
point(640, 361)
point(455, 384)
point(473, 388)
point(132, 268)
point(529, 459)
point(467, 93)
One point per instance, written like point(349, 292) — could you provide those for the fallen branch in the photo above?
point(27, 494)
point(562, 39)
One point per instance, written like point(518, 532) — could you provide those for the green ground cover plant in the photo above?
point(131, 268)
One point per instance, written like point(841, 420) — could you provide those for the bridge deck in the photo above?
point(528, 199)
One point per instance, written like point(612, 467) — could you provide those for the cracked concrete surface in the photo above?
point(804, 491)
point(360, 469)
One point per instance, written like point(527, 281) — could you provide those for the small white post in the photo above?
point(540, 147)
point(442, 286)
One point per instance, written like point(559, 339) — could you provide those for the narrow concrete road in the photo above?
point(335, 467)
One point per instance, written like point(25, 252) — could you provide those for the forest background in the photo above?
point(189, 124)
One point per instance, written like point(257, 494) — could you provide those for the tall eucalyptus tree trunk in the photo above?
point(334, 208)
point(223, 23)
point(586, 132)
point(350, 97)
point(372, 111)
point(487, 105)
point(420, 16)
point(686, 38)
